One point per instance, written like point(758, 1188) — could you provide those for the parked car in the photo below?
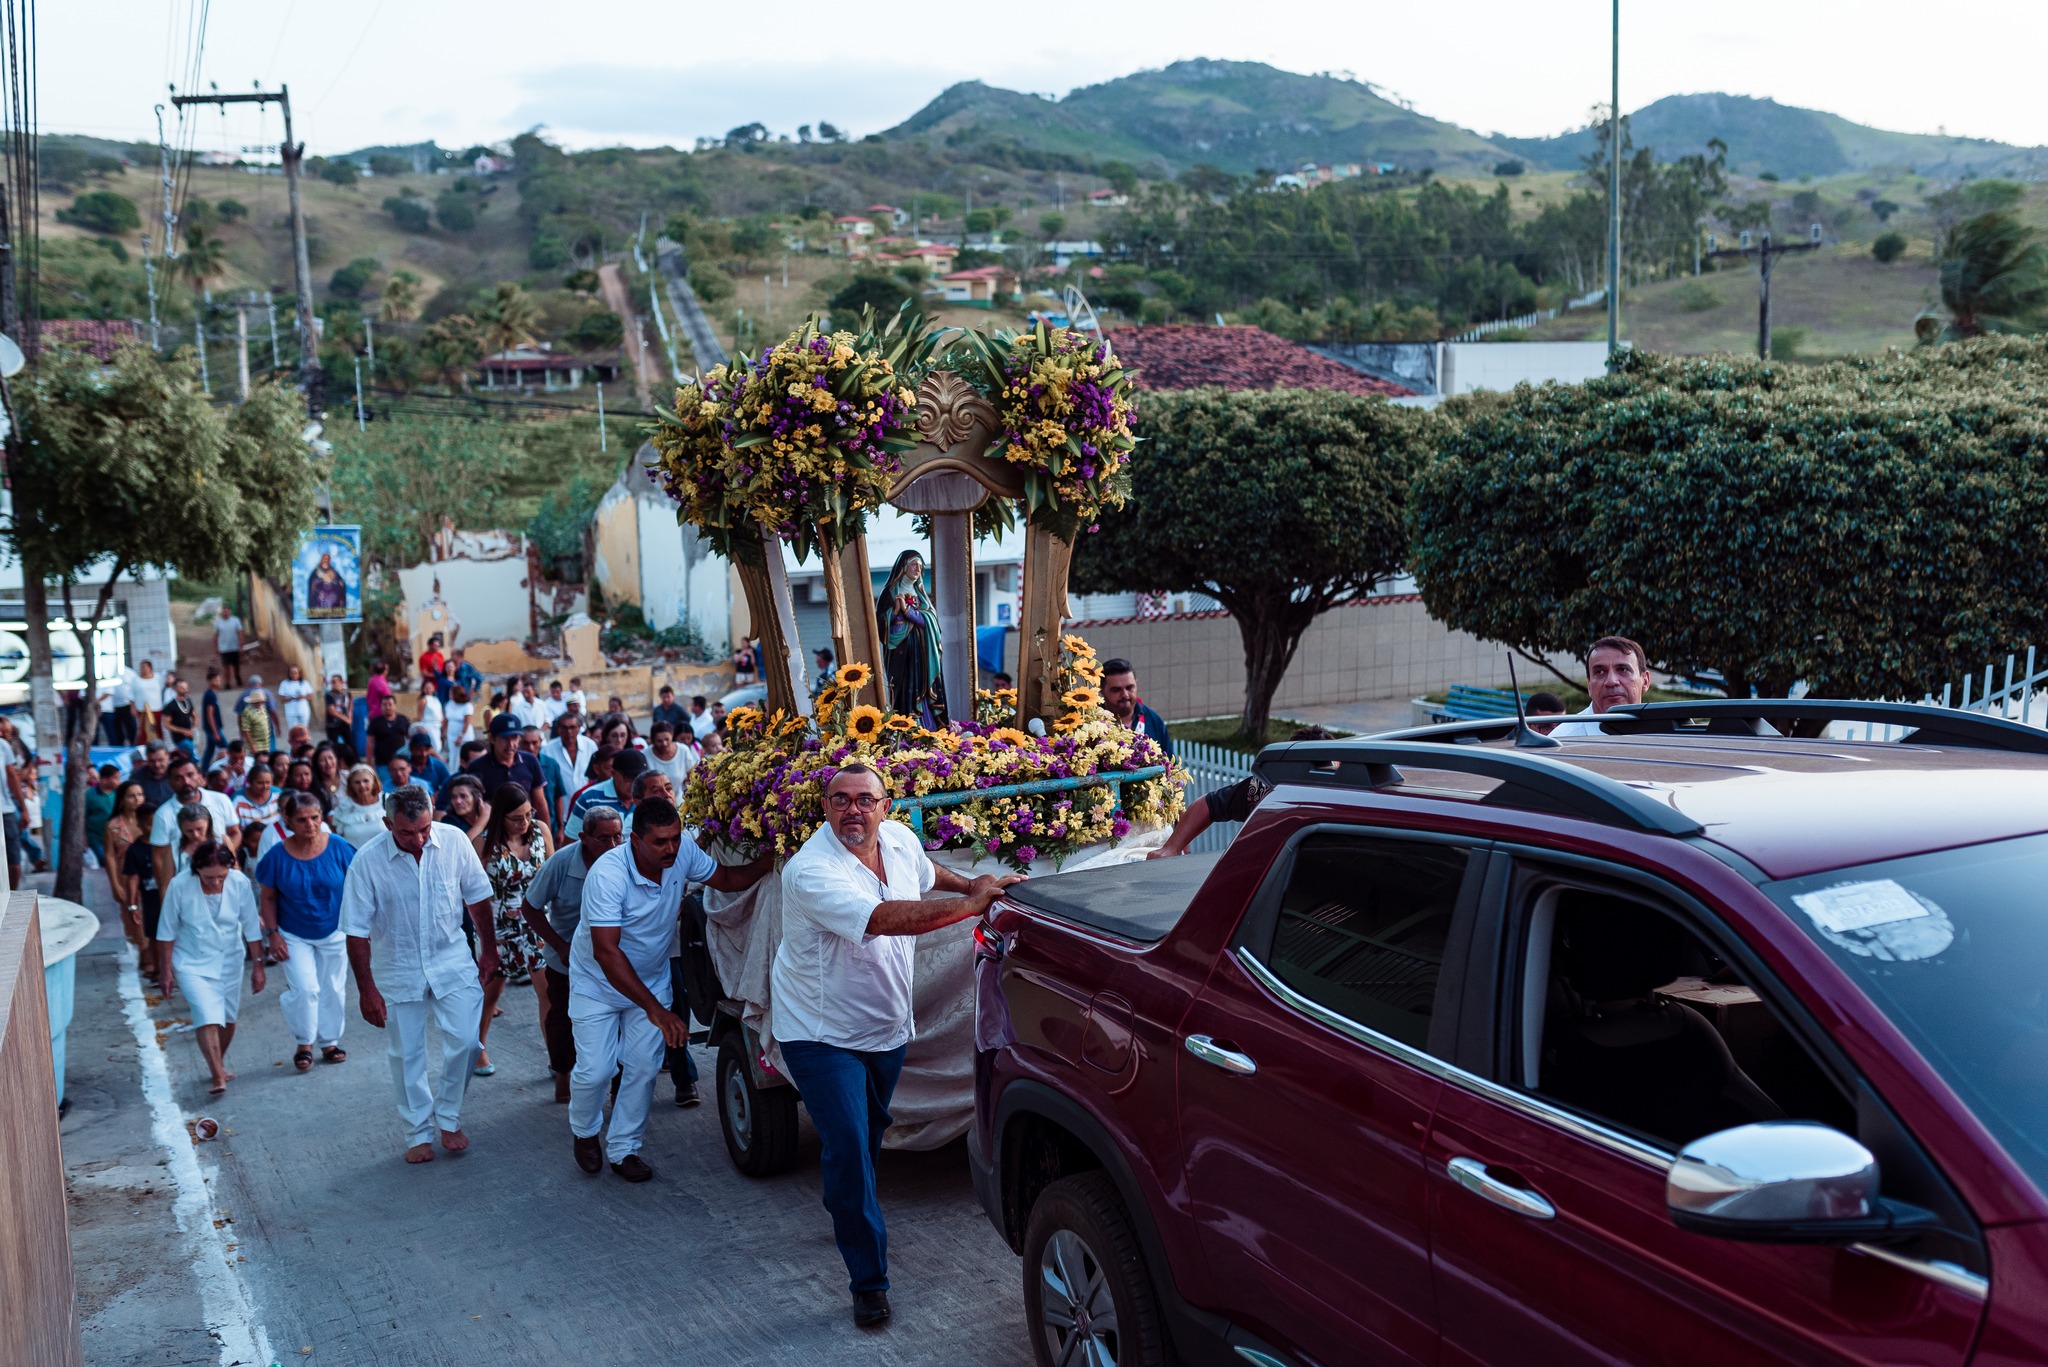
point(1695, 1042)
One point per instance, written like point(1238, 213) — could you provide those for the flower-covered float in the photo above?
point(797, 447)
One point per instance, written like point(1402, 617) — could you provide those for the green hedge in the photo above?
point(1870, 526)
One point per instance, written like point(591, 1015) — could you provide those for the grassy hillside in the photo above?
point(1241, 116)
point(1763, 135)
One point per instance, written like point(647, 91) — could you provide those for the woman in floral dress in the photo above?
point(512, 846)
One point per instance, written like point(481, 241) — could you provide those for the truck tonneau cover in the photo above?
point(1141, 900)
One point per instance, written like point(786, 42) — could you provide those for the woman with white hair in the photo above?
point(208, 926)
point(359, 813)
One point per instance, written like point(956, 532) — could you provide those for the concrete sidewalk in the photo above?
point(509, 1254)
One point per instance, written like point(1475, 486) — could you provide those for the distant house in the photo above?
point(980, 287)
point(853, 225)
point(1188, 356)
point(99, 336)
point(1108, 199)
point(540, 367)
point(935, 257)
point(897, 217)
point(488, 165)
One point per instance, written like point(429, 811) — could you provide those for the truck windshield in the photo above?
point(1953, 947)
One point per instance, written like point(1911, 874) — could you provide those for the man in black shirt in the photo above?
point(181, 718)
point(1233, 802)
point(506, 763)
point(388, 733)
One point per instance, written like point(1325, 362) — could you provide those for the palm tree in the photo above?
point(401, 298)
point(204, 258)
point(509, 318)
point(1994, 276)
point(449, 348)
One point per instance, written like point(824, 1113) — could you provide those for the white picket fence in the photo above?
point(1211, 767)
point(2017, 691)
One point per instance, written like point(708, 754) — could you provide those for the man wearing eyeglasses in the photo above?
point(853, 898)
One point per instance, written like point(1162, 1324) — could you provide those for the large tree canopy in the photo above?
point(1870, 527)
point(129, 465)
point(1279, 504)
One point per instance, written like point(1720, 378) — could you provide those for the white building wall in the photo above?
point(1503, 365)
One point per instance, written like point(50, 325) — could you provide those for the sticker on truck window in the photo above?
point(1879, 919)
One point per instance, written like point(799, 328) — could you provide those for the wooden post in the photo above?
point(1044, 617)
point(850, 599)
point(774, 621)
point(953, 596)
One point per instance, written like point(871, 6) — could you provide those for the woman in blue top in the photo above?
point(300, 881)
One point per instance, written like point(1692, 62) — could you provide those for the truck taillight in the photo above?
point(988, 942)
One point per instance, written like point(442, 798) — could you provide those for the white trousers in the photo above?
point(426, 1106)
point(315, 1004)
point(609, 1041)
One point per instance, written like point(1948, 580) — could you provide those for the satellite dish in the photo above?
point(11, 359)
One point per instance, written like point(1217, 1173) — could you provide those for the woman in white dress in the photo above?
point(297, 696)
point(146, 691)
point(358, 817)
point(456, 714)
point(210, 923)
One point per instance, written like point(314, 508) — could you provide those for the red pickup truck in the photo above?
point(1709, 1039)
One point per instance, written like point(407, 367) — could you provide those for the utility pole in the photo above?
point(242, 349)
point(370, 340)
point(601, 448)
point(270, 316)
point(1614, 194)
point(199, 338)
point(1767, 253)
point(292, 154)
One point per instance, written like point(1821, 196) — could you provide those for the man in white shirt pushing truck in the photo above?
point(853, 898)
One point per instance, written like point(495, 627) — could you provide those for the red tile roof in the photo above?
point(1187, 355)
point(97, 335)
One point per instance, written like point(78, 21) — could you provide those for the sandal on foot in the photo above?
point(303, 1059)
point(334, 1053)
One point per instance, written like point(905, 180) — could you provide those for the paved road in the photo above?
point(344, 1255)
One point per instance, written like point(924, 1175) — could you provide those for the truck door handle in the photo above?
point(1471, 1174)
point(1229, 1060)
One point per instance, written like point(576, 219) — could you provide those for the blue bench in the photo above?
point(1466, 703)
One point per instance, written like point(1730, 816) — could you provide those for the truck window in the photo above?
point(1362, 926)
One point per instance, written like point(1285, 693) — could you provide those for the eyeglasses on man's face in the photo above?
point(860, 802)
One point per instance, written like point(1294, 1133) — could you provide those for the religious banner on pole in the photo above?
point(327, 581)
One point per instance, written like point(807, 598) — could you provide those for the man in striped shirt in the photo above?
point(616, 791)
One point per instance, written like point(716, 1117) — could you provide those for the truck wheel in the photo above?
point(1087, 1295)
point(759, 1126)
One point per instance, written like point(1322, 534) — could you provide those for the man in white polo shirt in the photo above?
point(403, 898)
point(619, 980)
point(853, 898)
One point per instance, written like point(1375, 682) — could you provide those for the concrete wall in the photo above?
point(40, 1322)
point(1193, 665)
point(487, 600)
point(1503, 365)
point(642, 555)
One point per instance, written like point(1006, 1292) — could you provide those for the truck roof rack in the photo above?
point(1527, 779)
point(1795, 716)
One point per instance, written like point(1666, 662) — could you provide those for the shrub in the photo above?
point(1864, 526)
point(102, 211)
point(339, 171)
point(351, 280)
point(1509, 168)
point(869, 289)
point(385, 164)
point(409, 214)
point(547, 253)
point(1888, 247)
point(597, 332)
point(232, 210)
point(455, 212)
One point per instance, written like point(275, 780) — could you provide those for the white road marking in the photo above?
point(222, 1298)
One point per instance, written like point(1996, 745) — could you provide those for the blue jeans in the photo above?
point(847, 1093)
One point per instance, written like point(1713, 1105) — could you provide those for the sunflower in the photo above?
point(1067, 722)
point(1006, 697)
point(1080, 699)
point(742, 719)
point(1088, 670)
point(948, 741)
point(1075, 645)
point(1010, 735)
point(865, 723)
point(853, 677)
point(901, 724)
point(978, 744)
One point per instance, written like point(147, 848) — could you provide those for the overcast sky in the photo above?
point(645, 72)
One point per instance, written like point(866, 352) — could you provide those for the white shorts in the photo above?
point(214, 1001)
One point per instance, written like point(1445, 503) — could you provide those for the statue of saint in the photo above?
point(910, 643)
point(326, 593)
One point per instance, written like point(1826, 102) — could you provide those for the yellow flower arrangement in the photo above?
point(865, 724)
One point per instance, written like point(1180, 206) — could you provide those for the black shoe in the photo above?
point(870, 1308)
point(686, 1093)
point(590, 1155)
point(633, 1168)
